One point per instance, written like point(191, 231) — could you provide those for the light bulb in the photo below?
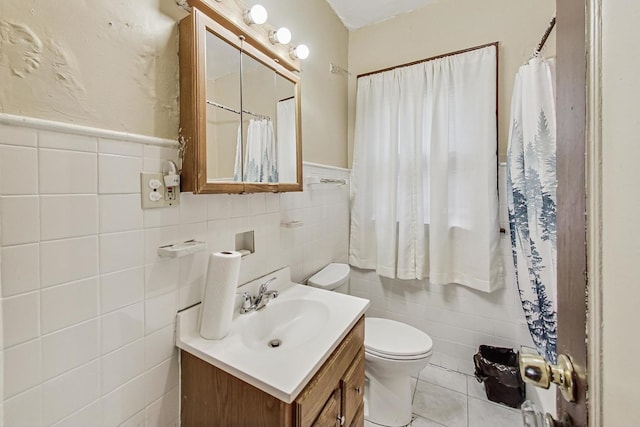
point(299, 52)
point(282, 35)
point(256, 15)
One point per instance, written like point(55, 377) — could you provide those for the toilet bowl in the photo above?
point(394, 352)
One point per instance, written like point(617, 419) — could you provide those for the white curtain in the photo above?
point(531, 182)
point(237, 167)
point(260, 163)
point(286, 131)
point(424, 178)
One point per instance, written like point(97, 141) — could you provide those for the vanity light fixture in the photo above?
point(257, 14)
point(282, 35)
point(299, 52)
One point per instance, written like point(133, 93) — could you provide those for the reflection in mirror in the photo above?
point(286, 129)
point(259, 110)
point(223, 109)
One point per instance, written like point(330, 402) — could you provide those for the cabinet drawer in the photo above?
point(352, 386)
point(312, 398)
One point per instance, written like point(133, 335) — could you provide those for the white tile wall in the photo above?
point(88, 307)
point(22, 368)
point(71, 347)
point(68, 304)
point(120, 212)
point(70, 392)
point(59, 220)
point(122, 365)
point(121, 327)
point(24, 409)
point(118, 174)
point(67, 172)
point(120, 289)
point(20, 318)
point(19, 220)
point(63, 261)
point(18, 170)
point(20, 269)
point(457, 318)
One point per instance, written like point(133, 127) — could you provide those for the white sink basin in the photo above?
point(283, 324)
point(309, 322)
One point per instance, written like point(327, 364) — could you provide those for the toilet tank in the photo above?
point(333, 277)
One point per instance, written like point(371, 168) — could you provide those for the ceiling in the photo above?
point(360, 13)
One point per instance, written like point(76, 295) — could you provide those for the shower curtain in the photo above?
point(531, 188)
point(286, 132)
point(260, 163)
point(424, 197)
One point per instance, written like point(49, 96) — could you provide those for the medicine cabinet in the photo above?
point(239, 106)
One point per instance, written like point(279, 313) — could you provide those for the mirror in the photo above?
point(286, 129)
point(259, 105)
point(223, 105)
point(240, 113)
point(269, 126)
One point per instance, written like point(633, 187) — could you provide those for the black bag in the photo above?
point(499, 369)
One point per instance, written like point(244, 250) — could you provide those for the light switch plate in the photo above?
point(154, 193)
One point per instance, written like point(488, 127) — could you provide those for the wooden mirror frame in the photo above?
point(193, 31)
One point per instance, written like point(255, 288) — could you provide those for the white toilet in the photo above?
point(394, 352)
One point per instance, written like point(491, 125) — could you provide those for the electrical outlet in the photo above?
point(155, 194)
point(170, 194)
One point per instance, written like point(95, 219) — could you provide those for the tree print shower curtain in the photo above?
point(531, 188)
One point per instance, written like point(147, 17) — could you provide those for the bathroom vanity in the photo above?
point(333, 397)
point(299, 361)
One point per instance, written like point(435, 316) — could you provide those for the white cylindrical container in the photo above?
point(219, 294)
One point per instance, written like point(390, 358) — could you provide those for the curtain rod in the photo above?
point(545, 36)
point(429, 59)
point(233, 110)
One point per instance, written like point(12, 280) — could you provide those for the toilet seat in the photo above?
point(393, 340)
point(398, 358)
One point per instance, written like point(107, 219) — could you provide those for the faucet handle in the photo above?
point(264, 286)
point(247, 302)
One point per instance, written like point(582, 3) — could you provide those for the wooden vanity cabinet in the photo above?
point(333, 397)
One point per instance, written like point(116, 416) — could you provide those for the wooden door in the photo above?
point(330, 413)
point(571, 93)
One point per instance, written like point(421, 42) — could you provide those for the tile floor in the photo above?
point(451, 399)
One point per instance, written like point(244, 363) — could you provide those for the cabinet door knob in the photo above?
point(358, 390)
point(342, 419)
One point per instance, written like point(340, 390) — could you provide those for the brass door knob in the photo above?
point(535, 370)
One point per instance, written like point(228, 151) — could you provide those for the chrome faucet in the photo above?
point(258, 302)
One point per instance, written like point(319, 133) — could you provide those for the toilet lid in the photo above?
point(330, 277)
point(391, 338)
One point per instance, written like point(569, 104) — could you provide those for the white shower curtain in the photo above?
point(531, 184)
point(237, 167)
point(260, 163)
point(424, 178)
point(286, 131)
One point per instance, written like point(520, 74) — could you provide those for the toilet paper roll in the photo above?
point(219, 294)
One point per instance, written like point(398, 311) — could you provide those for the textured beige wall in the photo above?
point(324, 95)
point(620, 207)
point(451, 25)
point(114, 65)
point(107, 64)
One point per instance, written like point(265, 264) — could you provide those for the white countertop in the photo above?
point(282, 372)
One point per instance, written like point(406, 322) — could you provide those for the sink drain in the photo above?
point(274, 343)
